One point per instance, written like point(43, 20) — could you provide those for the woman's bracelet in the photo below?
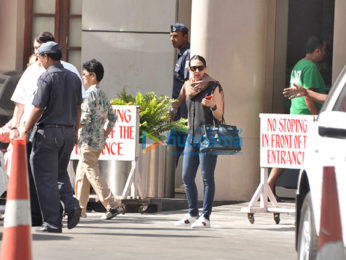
point(213, 108)
point(172, 110)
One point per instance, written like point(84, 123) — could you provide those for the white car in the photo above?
point(326, 146)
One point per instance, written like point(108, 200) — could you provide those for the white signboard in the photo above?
point(283, 140)
point(121, 142)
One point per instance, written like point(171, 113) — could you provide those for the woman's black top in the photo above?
point(199, 115)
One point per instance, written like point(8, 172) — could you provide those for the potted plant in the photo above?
point(155, 119)
point(156, 163)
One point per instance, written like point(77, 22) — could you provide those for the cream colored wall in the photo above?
point(12, 34)
point(184, 12)
point(131, 39)
point(237, 40)
point(280, 49)
point(339, 49)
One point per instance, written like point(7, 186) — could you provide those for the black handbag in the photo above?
point(221, 139)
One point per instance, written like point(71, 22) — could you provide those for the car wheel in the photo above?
point(307, 237)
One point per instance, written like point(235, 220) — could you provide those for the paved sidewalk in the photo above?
point(154, 236)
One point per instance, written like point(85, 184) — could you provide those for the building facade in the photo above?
point(247, 45)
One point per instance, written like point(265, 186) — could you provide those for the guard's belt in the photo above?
point(55, 126)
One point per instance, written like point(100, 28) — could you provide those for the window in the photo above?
point(63, 18)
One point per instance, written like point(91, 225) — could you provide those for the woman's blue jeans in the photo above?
point(207, 161)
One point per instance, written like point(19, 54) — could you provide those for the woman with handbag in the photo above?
point(205, 103)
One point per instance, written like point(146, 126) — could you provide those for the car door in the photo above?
point(328, 148)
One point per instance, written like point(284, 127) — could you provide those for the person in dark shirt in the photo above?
point(22, 97)
point(56, 117)
point(179, 39)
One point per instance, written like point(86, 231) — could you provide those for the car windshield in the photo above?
point(340, 104)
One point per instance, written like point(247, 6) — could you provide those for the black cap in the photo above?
point(48, 47)
point(179, 27)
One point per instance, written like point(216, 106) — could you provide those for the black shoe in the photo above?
point(73, 217)
point(49, 229)
point(111, 213)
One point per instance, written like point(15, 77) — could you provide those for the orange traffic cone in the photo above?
point(16, 239)
point(330, 245)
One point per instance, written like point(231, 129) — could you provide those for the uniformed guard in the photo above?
point(179, 39)
point(56, 116)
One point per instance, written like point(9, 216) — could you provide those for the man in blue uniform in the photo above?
point(56, 116)
point(179, 39)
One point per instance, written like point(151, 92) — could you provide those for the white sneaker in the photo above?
point(186, 221)
point(201, 222)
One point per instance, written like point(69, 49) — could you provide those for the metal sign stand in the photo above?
point(133, 182)
point(264, 193)
point(274, 125)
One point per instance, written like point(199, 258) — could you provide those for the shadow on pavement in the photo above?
point(282, 229)
point(49, 237)
point(146, 235)
point(126, 220)
point(138, 228)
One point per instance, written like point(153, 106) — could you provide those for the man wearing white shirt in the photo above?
point(27, 85)
point(23, 97)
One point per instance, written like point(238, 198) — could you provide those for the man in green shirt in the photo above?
point(305, 74)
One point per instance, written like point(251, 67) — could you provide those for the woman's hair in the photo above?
point(197, 57)
point(44, 37)
point(94, 66)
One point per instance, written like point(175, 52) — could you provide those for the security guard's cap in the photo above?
point(179, 27)
point(48, 47)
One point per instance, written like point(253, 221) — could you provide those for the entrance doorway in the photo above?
point(305, 19)
point(295, 22)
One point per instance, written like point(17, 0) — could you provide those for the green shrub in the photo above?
point(154, 113)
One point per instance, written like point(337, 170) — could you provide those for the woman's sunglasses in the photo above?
point(199, 68)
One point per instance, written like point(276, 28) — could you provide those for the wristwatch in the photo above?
point(213, 108)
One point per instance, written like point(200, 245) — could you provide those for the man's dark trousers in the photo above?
point(36, 217)
point(50, 155)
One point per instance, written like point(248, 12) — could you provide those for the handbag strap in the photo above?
point(217, 84)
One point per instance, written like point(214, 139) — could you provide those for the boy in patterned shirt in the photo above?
point(96, 110)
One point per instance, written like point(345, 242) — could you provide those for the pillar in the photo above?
point(237, 40)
